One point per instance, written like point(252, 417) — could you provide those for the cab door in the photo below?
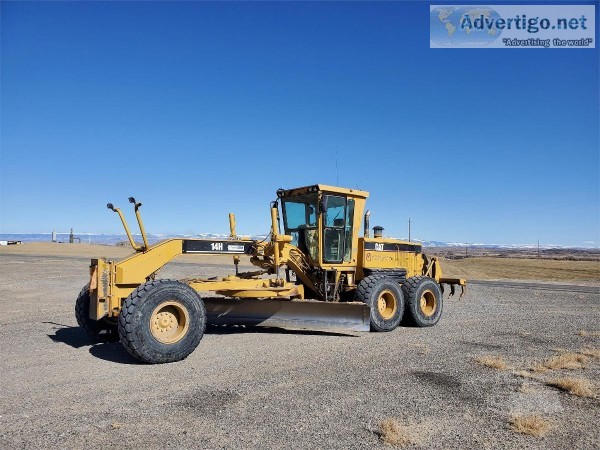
point(337, 220)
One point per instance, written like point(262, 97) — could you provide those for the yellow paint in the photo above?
point(169, 322)
point(387, 305)
point(428, 303)
point(111, 282)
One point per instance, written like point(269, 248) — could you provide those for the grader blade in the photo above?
point(291, 314)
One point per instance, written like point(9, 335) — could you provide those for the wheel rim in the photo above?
point(169, 322)
point(386, 304)
point(428, 303)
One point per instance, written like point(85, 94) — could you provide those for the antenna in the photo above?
point(409, 229)
point(337, 178)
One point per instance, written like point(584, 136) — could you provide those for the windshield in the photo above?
point(300, 221)
point(300, 212)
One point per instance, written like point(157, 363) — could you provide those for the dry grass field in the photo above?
point(493, 268)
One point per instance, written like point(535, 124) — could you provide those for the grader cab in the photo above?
point(320, 273)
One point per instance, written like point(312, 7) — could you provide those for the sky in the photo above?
point(199, 109)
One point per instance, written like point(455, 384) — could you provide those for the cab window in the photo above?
point(349, 226)
point(300, 221)
point(334, 228)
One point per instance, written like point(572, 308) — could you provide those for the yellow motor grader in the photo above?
point(318, 274)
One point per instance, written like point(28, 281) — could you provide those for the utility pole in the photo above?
point(466, 250)
point(409, 229)
point(538, 249)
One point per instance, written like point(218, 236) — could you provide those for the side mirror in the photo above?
point(323, 203)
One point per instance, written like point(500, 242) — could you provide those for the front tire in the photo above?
point(162, 321)
point(385, 299)
point(101, 330)
point(424, 301)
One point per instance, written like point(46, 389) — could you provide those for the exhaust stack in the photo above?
point(367, 216)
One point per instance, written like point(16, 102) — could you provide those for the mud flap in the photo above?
point(291, 314)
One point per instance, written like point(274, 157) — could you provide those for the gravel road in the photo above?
point(266, 388)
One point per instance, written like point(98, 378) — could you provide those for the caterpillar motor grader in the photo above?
point(318, 274)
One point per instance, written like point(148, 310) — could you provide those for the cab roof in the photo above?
point(322, 188)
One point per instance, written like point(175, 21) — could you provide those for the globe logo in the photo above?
point(463, 26)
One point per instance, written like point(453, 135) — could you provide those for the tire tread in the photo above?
point(410, 286)
point(127, 329)
point(99, 330)
point(366, 293)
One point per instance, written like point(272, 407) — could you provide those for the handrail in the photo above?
point(274, 237)
point(140, 223)
point(131, 241)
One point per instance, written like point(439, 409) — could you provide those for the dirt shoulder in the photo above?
point(456, 385)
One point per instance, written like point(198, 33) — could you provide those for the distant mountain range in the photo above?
point(480, 245)
point(111, 239)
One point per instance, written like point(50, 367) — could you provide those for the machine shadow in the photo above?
point(113, 352)
point(72, 336)
point(109, 350)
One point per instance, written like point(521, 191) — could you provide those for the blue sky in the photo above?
point(199, 109)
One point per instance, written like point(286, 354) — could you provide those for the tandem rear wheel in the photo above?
point(424, 301)
point(162, 321)
point(386, 301)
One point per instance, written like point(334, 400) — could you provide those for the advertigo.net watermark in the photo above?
point(547, 43)
point(512, 26)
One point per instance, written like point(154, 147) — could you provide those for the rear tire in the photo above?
point(385, 299)
point(424, 301)
point(101, 330)
point(162, 321)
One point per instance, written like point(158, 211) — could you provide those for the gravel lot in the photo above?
point(277, 389)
